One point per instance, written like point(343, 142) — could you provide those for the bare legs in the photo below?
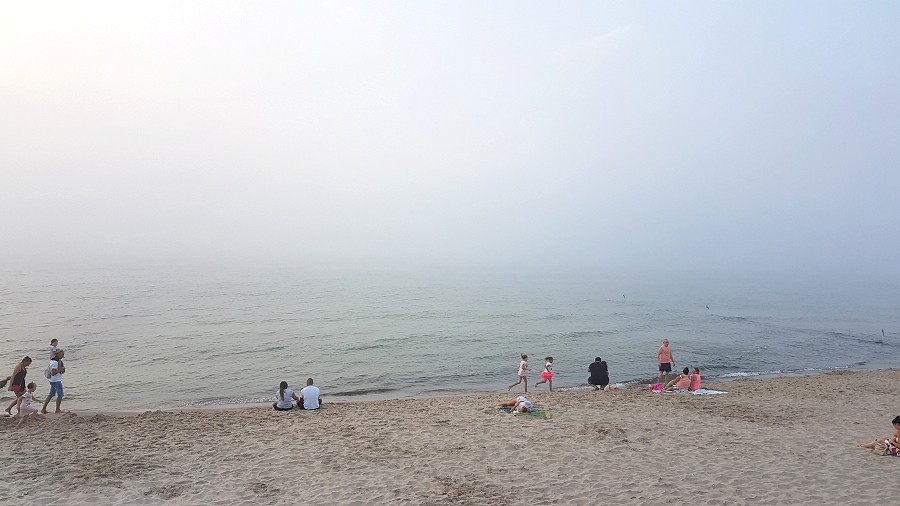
point(13, 404)
point(46, 402)
point(661, 375)
point(521, 379)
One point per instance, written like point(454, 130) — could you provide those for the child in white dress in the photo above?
point(523, 367)
point(27, 405)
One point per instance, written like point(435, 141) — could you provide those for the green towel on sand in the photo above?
point(534, 412)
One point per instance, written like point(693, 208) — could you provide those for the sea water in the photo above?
point(164, 337)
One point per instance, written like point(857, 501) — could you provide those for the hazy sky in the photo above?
point(657, 135)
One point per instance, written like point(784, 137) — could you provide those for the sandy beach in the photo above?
point(788, 440)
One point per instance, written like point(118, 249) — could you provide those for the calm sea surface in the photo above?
point(142, 339)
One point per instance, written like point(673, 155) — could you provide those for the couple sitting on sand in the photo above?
point(309, 397)
point(687, 381)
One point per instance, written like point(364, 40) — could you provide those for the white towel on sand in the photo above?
point(704, 391)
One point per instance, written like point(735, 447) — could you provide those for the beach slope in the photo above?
point(785, 440)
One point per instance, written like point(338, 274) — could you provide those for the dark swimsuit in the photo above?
point(19, 381)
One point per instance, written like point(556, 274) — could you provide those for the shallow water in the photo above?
point(148, 338)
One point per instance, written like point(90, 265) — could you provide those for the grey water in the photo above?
point(169, 337)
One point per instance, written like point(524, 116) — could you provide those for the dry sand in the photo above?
point(777, 441)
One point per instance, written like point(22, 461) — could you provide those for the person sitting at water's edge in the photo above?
point(283, 398)
point(309, 396)
point(682, 382)
point(695, 379)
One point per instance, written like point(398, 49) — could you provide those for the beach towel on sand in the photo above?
point(699, 391)
point(534, 412)
point(706, 391)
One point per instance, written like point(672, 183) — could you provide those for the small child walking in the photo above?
point(27, 409)
point(547, 374)
point(523, 366)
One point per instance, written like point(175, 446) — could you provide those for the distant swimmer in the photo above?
point(707, 307)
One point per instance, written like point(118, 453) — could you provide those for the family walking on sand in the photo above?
point(25, 401)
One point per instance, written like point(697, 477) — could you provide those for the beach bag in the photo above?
point(47, 372)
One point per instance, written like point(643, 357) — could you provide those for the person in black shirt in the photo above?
point(599, 374)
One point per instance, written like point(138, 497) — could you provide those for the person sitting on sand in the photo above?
point(695, 380)
point(309, 396)
point(283, 398)
point(682, 382)
point(520, 405)
point(27, 410)
point(889, 447)
point(599, 374)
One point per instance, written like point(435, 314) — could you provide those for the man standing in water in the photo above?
point(664, 357)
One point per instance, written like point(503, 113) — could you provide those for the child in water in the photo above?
point(547, 374)
point(523, 366)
